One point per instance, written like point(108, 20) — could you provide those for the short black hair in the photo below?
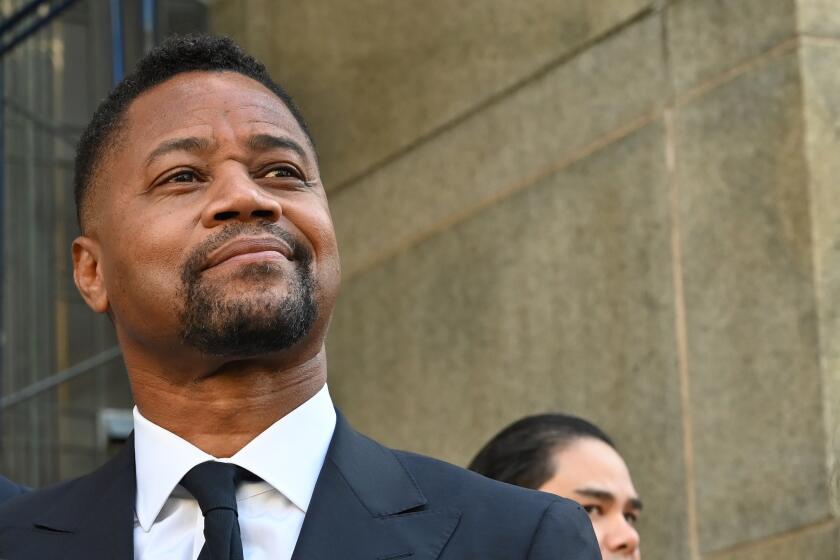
point(523, 453)
point(175, 55)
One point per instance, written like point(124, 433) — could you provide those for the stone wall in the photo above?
point(623, 209)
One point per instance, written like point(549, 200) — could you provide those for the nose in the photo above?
point(621, 538)
point(235, 196)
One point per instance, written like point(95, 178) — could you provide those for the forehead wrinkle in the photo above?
point(276, 116)
point(254, 106)
point(282, 123)
point(233, 120)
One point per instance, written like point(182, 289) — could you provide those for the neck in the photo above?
point(221, 411)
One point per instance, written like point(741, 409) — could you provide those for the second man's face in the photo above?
point(593, 474)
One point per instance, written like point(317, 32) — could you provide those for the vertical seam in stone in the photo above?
point(681, 336)
point(816, 268)
point(680, 323)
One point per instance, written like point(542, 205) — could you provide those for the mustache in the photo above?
point(198, 258)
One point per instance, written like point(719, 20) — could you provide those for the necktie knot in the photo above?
point(213, 485)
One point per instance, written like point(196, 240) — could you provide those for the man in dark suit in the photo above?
point(206, 237)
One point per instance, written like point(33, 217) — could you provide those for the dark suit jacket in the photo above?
point(370, 503)
point(9, 489)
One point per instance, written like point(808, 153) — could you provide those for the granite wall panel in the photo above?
point(753, 348)
point(616, 84)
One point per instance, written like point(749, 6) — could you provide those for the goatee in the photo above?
point(221, 323)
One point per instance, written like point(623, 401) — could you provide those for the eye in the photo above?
point(283, 172)
point(593, 509)
point(631, 518)
point(183, 176)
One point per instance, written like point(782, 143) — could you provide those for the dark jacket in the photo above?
point(370, 503)
point(9, 489)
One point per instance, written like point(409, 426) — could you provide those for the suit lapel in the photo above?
point(94, 518)
point(367, 506)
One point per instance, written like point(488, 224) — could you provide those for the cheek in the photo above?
point(319, 227)
point(147, 259)
point(315, 224)
point(327, 262)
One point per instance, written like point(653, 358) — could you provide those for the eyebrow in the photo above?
point(605, 496)
point(258, 142)
point(264, 142)
point(189, 144)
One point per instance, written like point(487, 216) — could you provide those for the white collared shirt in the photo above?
point(287, 456)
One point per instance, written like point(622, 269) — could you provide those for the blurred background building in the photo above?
point(623, 209)
point(64, 396)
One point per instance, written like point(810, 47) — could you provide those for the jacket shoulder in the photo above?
point(61, 498)
point(444, 481)
point(527, 523)
point(22, 508)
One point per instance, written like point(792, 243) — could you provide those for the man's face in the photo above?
point(594, 475)
point(210, 223)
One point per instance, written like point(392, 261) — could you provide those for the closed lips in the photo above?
point(248, 246)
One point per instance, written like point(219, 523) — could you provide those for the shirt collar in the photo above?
point(288, 455)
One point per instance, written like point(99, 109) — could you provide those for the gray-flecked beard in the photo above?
point(231, 325)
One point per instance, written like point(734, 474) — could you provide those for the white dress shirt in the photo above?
point(287, 457)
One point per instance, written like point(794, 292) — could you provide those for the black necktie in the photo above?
point(213, 485)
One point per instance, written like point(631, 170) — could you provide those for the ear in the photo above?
point(88, 274)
